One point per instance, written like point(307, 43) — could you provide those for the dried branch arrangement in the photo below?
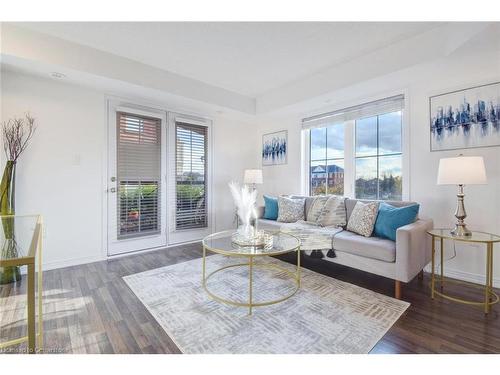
point(244, 199)
point(16, 134)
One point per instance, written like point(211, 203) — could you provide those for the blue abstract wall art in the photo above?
point(275, 148)
point(465, 118)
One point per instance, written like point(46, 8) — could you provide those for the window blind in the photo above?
point(138, 174)
point(191, 176)
point(392, 104)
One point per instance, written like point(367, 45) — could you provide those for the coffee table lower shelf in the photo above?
point(251, 264)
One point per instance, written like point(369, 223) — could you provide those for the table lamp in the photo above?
point(253, 177)
point(461, 170)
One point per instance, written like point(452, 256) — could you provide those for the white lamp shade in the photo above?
point(253, 176)
point(462, 170)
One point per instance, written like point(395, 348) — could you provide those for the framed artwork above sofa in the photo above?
point(465, 118)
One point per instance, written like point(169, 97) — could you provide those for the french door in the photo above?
point(159, 178)
point(137, 209)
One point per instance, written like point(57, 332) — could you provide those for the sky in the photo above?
point(389, 139)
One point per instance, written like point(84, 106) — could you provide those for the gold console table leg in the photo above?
point(40, 297)
point(31, 308)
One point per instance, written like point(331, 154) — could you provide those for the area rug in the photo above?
point(325, 316)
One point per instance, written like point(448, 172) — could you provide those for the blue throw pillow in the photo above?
point(271, 209)
point(390, 218)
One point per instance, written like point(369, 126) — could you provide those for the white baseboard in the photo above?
point(143, 251)
point(467, 276)
point(47, 266)
point(71, 262)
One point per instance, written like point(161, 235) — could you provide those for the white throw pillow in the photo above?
point(333, 213)
point(363, 217)
point(316, 208)
point(290, 210)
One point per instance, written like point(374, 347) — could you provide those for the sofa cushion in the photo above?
point(271, 208)
point(363, 218)
point(290, 210)
point(316, 208)
point(390, 218)
point(368, 247)
point(333, 213)
point(308, 202)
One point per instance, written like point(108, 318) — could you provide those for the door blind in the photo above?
point(191, 176)
point(138, 175)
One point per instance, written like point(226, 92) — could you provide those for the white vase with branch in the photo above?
point(245, 200)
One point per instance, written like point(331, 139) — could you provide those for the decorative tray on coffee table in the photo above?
point(261, 239)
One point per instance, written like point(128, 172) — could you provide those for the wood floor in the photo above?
point(89, 309)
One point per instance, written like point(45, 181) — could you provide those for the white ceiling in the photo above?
point(246, 58)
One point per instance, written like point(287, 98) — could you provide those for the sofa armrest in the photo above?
point(413, 249)
point(260, 212)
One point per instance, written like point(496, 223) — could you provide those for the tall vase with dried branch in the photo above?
point(16, 133)
point(245, 199)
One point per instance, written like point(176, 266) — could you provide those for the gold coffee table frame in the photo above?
point(245, 252)
point(34, 251)
point(490, 297)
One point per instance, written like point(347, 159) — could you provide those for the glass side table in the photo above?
point(21, 241)
point(490, 297)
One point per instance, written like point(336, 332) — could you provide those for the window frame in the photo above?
point(350, 148)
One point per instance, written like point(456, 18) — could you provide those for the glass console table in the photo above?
point(21, 245)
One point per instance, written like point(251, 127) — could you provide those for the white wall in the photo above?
point(61, 174)
point(460, 70)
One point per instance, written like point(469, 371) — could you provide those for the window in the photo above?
point(379, 157)
point(191, 176)
point(138, 174)
point(327, 160)
point(357, 151)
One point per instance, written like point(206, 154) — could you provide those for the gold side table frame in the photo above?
point(34, 336)
point(490, 297)
point(251, 264)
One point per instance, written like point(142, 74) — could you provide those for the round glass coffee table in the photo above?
point(221, 243)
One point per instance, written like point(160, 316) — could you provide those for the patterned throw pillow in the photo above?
point(363, 218)
point(333, 213)
point(290, 210)
point(316, 208)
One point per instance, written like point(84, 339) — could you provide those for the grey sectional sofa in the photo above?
point(400, 260)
